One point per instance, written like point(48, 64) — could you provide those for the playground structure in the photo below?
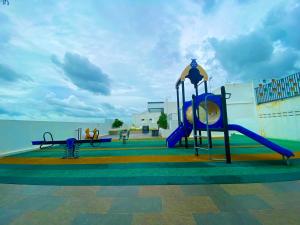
point(124, 135)
point(72, 145)
point(208, 112)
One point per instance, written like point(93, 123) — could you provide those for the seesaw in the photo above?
point(72, 144)
point(62, 142)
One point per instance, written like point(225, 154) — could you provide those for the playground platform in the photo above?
point(149, 162)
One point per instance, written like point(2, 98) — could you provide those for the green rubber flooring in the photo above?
point(239, 143)
point(153, 173)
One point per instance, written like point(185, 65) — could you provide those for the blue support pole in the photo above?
point(225, 125)
point(178, 110)
point(183, 101)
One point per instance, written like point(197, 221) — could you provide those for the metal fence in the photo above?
point(278, 89)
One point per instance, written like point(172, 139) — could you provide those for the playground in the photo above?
point(149, 112)
point(190, 177)
point(150, 162)
point(191, 154)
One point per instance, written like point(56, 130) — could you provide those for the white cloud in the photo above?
point(143, 46)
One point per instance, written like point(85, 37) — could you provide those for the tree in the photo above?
point(117, 123)
point(162, 122)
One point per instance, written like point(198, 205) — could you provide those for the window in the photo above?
point(156, 110)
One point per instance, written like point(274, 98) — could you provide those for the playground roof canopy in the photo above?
point(186, 72)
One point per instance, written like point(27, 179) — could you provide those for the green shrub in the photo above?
point(117, 123)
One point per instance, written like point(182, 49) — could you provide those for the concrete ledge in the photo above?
point(13, 152)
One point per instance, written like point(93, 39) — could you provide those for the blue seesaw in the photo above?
point(72, 144)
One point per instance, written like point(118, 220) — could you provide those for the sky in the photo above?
point(71, 60)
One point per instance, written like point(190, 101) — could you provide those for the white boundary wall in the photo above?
point(16, 135)
point(241, 105)
point(280, 119)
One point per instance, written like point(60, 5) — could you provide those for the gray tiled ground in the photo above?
point(8, 215)
point(226, 218)
point(118, 191)
point(103, 219)
point(270, 203)
point(136, 205)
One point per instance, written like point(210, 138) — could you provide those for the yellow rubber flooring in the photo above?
point(159, 148)
point(137, 159)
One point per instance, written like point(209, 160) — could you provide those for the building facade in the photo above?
point(150, 117)
point(152, 114)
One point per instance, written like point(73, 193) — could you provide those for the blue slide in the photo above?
point(180, 132)
point(283, 151)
